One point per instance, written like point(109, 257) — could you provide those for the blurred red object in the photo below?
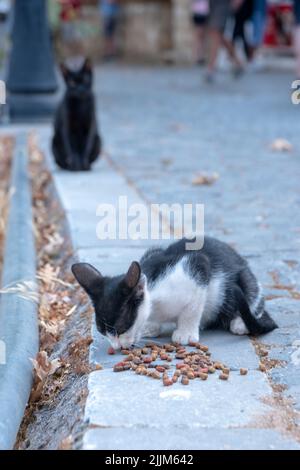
point(279, 25)
point(70, 9)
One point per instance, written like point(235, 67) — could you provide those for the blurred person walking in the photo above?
point(297, 36)
point(242, 16)
point(220, 11)
point(259, 20)
point(199, 13)
point(70, 14)
point(110, 10)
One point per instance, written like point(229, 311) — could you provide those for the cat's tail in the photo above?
point(255, 325)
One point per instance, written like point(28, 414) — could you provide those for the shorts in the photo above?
point(109, 26)
point(219, 13)
point(297, 11)
point(199, 20)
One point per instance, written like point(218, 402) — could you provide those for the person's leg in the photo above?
point(199, 23)
point(236, 29)
point(200, 37)
point(259, 19)
point(215, 41)
point(219, 12)
point(231, 52)
point(297, 49)
point(239, 32)
point(109, 37)
point(297, 36)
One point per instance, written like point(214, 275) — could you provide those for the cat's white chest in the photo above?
point(175, 293)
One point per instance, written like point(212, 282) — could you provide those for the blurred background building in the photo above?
point(151, 30)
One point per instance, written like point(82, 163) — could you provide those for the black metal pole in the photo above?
point(31, 79)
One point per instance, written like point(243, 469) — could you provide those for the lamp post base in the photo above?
point(32, 108)
point(32, 79)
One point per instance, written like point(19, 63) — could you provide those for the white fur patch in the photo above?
point(151, 330)
point(214, 298)
point(255, 303)
point(238, 327)
point(114, 341)
point(134, 334)
point(179, 298)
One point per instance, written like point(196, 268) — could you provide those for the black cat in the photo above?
point(76, 143)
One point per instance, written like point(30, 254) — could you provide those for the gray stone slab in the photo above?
point(252, 206)
point(111, 261)
point(176, 438)
point(126, 399)
point(234, 351)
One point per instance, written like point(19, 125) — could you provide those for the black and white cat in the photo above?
point(209, 288)
point(76, 143)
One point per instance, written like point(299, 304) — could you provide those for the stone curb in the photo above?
point(18, 315)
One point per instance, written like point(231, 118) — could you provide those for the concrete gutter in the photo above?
point(18, 316)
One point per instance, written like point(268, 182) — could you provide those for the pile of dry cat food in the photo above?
point(156, 361)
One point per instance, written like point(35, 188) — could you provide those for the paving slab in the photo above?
point(153, 157)
point(144, 438)
point(219, 342)
point(130, 400)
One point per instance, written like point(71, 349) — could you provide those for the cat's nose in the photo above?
point(115, 342)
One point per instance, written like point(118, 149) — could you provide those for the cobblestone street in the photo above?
point(161, 127)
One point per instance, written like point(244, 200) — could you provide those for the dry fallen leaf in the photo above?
point(54, 244)
point(50, 275)
point(295, 295)
point(24, 289)
point(71, 311)
point(66, 443)
point(166, 161)
point(53, 328)
point(205, 179)
point(43, 366)
point(281, 145)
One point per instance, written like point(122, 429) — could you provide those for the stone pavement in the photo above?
point(161, 127)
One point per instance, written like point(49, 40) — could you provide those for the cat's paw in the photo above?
point(238, 327)
point(184, 337)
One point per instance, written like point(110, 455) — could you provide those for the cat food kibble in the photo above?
point(156, 361)
point(155, 375)
point(118, 368)
point(203, 376)
point(262, 367)
point(147, 360)
point(111, 351)
point(223, 376)
point(218, 365)
point(167, 382)
point(185, 380)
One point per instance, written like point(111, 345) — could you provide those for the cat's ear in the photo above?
point(133, 275)
point(88, 277)
point(87, 65)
